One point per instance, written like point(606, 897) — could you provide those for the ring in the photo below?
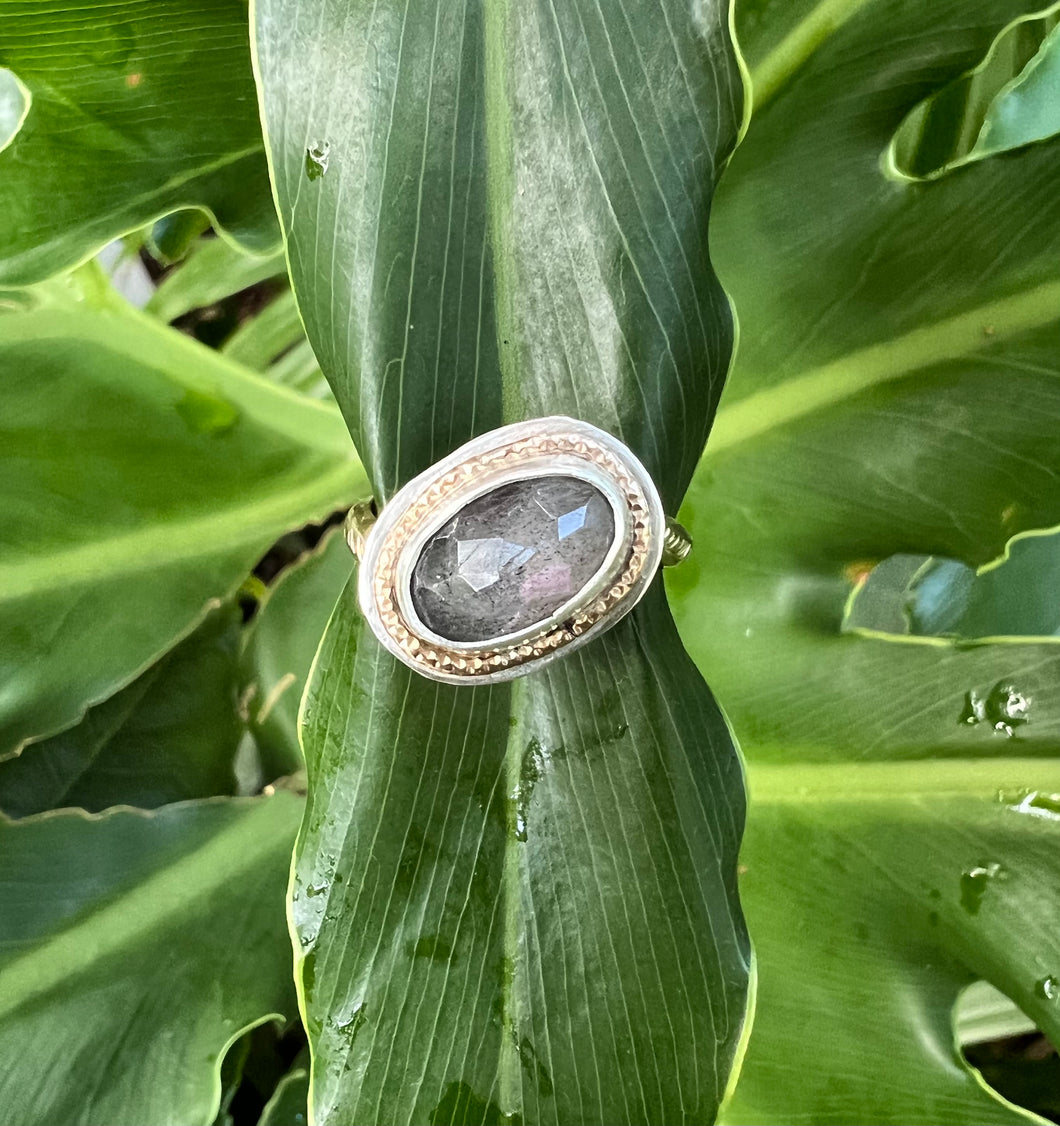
point(520, 546)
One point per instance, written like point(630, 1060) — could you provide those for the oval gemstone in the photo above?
point(512, 557)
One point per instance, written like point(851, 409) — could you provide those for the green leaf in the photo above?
point(910, 594)
point(524, 898)
point(259, 340)
point(299, 369)
point(212, 271)
point(617, 215)
point(173, 236)
point(171, 735)
point(915, 879)
point(896, 391)
point(136, 110)
point(280, 646)
point(515, 903)
point(142, 476)
point(135, 949)
point(1018, 596)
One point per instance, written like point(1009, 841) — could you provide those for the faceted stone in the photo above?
point(512, 557)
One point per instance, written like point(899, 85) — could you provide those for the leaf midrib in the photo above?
point(184, 362)
point(793, 51)
point(854, 783)
point(217, 533)
point(828, 384)
point(136, 912)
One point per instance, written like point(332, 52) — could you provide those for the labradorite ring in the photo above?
point(517, 548)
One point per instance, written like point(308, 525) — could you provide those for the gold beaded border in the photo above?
point(482, 662)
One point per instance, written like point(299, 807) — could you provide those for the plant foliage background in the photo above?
point(520, 904)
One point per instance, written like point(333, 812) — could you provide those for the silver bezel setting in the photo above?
point(555, 446)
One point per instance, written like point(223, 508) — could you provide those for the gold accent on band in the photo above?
point(490, 659)
point(677, 543)
point(359, 522)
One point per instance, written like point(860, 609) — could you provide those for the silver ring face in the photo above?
point(512, 462)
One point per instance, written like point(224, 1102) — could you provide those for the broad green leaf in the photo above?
point(515, 904)
point(141, 477)
point(136, 948)
point(171, 735)
point(212, 270)
point(896, 391)
point(521, 899)
point(617, 214)
point(919, 860)
point(135, 110)
point(280, 645)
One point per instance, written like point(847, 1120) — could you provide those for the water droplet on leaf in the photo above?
point(974, 883)
point(317, 159)
point(1011, 797)
point(1037, 804)
point(535, 761)
point(350, 1023)
point(1048, 988)
point(1004, 708)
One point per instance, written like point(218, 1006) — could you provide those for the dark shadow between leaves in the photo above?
point(1003, 1044)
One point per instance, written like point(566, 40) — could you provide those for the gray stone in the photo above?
point(512, 557)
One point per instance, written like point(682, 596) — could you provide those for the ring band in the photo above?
point(520, 546)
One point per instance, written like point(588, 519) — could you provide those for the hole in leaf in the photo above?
point(910, 595)
point(1011, 99)
point(1013, 1056)
point(14, 105)
point(931, 596)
